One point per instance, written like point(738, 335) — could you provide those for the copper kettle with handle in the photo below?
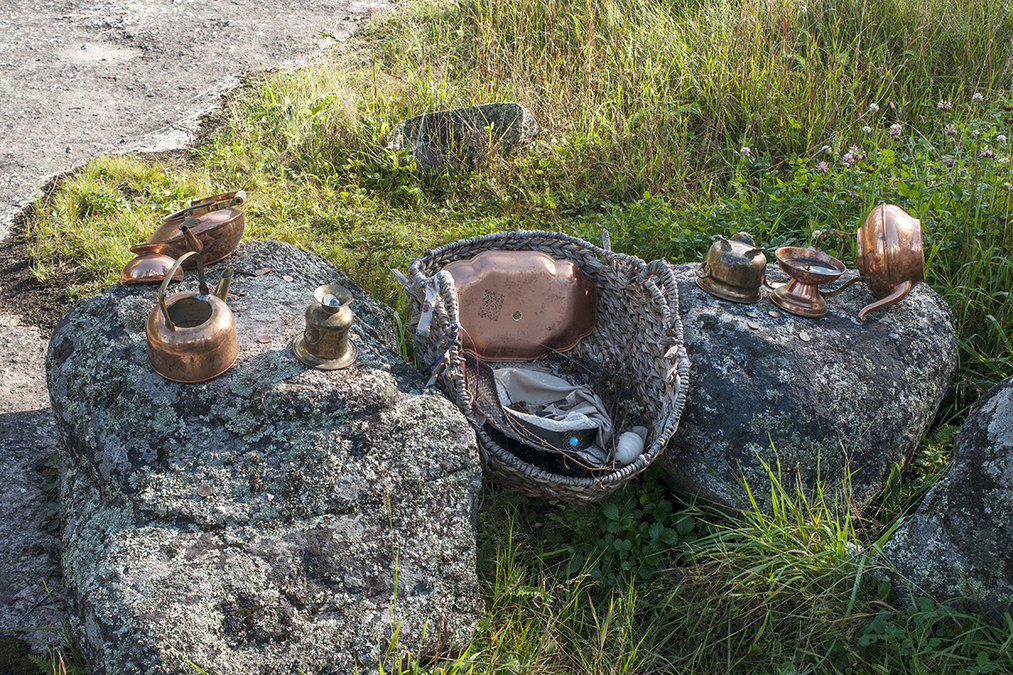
point(192, 335)
point(889, 256)
point(211, 226)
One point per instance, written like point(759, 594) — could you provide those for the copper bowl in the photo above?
point(149, 267)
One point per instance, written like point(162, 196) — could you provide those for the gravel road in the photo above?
point(80, 79)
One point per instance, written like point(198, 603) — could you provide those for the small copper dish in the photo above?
point(807, 269)
point(522, 305)
point(149, 267)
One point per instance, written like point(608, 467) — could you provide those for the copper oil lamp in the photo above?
point(808, 269)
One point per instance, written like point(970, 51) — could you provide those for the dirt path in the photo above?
point(81, 78)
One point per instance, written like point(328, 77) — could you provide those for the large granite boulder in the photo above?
point(276, 519)
point(956, 547)
point(828, 403)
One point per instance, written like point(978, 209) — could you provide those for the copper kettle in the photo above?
point(211, 226)
point(890, 257)
point(734, 269)
point(192, 335)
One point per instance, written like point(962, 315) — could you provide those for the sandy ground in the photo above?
point(81, 78)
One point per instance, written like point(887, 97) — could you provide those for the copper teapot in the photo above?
point(192, 335)
point(211, 226)
point(734, 270)
point(890, 257)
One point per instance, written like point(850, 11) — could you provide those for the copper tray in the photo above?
point(522, 305)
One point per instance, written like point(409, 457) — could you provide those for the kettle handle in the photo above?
point(704, 270)
point(168, 277)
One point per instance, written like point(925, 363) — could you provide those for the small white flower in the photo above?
point(873, 107)
point(745, 151)
point(945, 105)
point(1008, 186)
point(1001, 138)
point(867, 129)
point(822, 167)
point(895, 129)
point(977, 98)
point(951, 129)
point(975, 133)
point(827, 148)
point(1003, 160)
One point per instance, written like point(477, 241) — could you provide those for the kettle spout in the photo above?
point(898, 292)
point(192, 242)
point(224, 283)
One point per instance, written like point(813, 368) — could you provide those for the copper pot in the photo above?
point(192, 335)
point(211, 226)
point(890, 257)
point(734, 269)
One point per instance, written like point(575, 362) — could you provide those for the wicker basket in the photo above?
point(638, 340)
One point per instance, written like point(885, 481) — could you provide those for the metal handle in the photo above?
point(168, 277)
point(819, 234)
point(836, 291)
point(700, 270)
point(208, 204)
point(320, 336)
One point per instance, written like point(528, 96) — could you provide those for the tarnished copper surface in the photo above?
point(192, 335)
point(522, 305)
point(807, 269)
point(734, 269)
point(149, 267)
point(213, 223)
point(890, 257)
point(324, 343)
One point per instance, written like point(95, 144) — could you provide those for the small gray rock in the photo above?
point(829, 400)
point(956, 547)
point(274, 519)
point(465, 135)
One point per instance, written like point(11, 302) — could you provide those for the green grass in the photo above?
point(646, 109)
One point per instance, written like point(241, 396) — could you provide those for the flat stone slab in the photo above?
point(828, 402)
point(956, 547)
point(274, 519)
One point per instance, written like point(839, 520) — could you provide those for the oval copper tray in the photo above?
point(522, 305)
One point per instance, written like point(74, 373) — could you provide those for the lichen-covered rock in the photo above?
point(956, 547)
point(464, 134)
point(275, 519)
point(829, 401)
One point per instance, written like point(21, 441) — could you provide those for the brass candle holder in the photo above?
point(324, 343)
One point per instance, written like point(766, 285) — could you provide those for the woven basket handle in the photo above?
point(659, 280)
point(446, 314)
